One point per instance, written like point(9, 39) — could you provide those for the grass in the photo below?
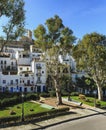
point(18, 109)
point(90, 101)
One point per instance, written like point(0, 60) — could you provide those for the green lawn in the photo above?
point(18, 109)
point(89, 102)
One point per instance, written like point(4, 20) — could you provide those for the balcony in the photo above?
point(38, 67)
point(38, 74)
point(38, 82)
point(11, 71)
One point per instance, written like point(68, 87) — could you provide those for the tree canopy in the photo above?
point(55, 39)
point(14, 11)
point(90, 55)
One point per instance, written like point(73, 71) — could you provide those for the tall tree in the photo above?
point(13, 10)
point(90, 55)
point(55, 39)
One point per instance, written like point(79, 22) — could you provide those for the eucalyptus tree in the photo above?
point(90, 55)
point(13, 11)
point(55, 39)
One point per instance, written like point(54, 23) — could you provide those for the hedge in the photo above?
point(47, 114)
point(36, 116)
point(8, 120)
point(6, 102)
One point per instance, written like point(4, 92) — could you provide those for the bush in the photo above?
point(44, 94)
point(74, 93)
point(18, 107)
point(52, 93)
point(6, 102)
point(82, 97)
point(8, 120)
point(31, 109)
point(43, 115)
point(12, 112)
point(65, 93)
point(98, 104)
point(88, 100)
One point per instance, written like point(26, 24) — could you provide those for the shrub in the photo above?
point(88, 100)
point(12, 112)
point(98, 104)
point(52, 93)
point(82, 97)
point(44, 94)
point(74, 93)
point(31, 109)
point(65, 93)
point(18, 107)
point(11, 119)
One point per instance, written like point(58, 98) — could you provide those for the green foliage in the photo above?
point(74, 93)
point(16, 98)
point(82, 97)
point(13, 10)
point(90, 101)
point(47, 114)
point(55, 39)
point(52, 93)
point(86, 83)
point(92, 58)
point(52, 33)
point(44, 94)
point(30, 115)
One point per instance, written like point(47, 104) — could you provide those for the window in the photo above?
point(4, 81)
point(26, 75)
point(27, 68)
point(31, 88)
point(11, 82)
point(11, 63)
point(4, 62)
point(16, 81)
point(42, 72)
point(1, 62)
point(21, 68)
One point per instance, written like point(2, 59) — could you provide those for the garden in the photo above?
point(91, 101)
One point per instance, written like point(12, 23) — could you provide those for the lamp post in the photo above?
point(22, 107)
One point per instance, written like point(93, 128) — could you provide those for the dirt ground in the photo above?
point(53, 102)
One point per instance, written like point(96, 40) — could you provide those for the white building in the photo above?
point(19, 70)
point(25, 71)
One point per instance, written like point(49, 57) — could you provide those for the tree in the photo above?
point(55, 39)
point(13, 10)
point(90, 55)
point(86, 83)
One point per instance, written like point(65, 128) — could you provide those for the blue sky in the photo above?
point(82, 16)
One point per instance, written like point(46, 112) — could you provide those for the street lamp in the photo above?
point(22, 107)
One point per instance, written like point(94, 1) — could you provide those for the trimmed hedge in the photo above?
point(10, 119)
point(37, 116)
point(47, 114)
point(6, 102)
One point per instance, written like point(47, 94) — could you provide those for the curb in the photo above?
point(76, 118)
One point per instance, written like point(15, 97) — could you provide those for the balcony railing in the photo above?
point(38, 67)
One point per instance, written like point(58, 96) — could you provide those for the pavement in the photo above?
point(74, 114)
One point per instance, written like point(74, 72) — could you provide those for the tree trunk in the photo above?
point(58, 93)
point(100, 93)
point(99, 88)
